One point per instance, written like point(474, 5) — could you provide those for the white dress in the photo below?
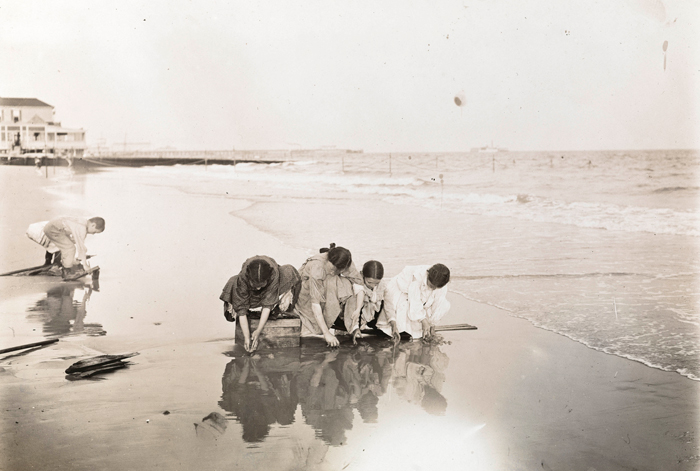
point(372, 301)
point(408, 300)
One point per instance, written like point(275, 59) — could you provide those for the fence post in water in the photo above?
point(389, 164)
point(442, 189)
point(493, 164)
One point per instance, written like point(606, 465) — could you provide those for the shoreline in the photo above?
point(517, 396)
point(644, 362)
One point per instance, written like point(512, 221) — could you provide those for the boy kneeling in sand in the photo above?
point(68, 234)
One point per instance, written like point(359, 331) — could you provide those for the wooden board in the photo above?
point(278, 333)
point(37, 270)
point(87, 272)
point(25, 271)
point(439, 328)
point(29, 345)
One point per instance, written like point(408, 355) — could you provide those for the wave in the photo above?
point(412, 190)
point(582, 214)
point(555, 275)
point(670, 189)
point(611, 349)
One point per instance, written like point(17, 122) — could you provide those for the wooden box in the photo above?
point(278, 333)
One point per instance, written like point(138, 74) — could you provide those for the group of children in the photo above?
point(328, 294)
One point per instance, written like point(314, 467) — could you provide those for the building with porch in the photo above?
point(28, 126)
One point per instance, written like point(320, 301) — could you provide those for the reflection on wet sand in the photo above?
point(257, 391)
point(211, 427)
point(262, 390)
point(419, 376)
point(64, 309)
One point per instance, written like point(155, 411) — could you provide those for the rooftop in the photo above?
point(22, 102)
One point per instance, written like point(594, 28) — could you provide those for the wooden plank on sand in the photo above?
point(439, 328)
point(29, 345)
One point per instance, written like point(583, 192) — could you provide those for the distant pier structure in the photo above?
point(28, 128)
point(116, 157)
point(30, 135)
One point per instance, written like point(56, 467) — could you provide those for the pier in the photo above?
point(166, 157)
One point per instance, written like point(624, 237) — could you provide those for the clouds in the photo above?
point(378, 76)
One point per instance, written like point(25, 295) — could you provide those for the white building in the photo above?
point(27, 126)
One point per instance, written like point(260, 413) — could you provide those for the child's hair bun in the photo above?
point(326, 249)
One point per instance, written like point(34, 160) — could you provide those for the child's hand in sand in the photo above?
point(254, 339)
point(356, 334)
point(395, 334)
point(428, 329)
point(331, 340)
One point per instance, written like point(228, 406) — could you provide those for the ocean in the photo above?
point(601, 247)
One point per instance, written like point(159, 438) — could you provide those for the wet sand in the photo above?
point(506, 396)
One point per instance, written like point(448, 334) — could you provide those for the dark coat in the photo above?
point(237, 291)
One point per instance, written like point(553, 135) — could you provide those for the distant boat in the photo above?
point(354, 151)
point(489, 149)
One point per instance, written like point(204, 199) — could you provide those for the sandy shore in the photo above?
point(517, 397)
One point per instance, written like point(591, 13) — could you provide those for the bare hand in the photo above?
point(356, 334)
point(395, 337)
point(246, 344)
point(228, 312)
point(254, 340)
point(285, 301)
point(331, 340)
point(427, 329)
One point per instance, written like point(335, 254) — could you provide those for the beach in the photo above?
point(520, 392)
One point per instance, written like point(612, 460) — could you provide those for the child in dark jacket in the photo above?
point(261, 284)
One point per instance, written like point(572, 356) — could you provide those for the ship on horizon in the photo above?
point(491, 149)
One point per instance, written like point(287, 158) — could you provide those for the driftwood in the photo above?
point(24, 271)
point(39, 269)
point(100, 361)
point(29, 345)
point(96, 365)
point(104, 368)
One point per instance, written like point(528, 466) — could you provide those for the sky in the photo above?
point(378, 76)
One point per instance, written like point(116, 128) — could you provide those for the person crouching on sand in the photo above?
point(415, 300)
point(261, 284)
point(327, 292)
point(370, 299)
point(68, 234)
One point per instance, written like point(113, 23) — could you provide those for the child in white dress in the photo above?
point(415, 300)
point(369, 297)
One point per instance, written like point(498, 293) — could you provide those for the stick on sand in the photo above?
point(29, 345)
